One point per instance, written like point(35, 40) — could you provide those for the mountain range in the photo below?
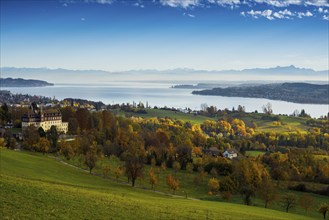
point(285, 73)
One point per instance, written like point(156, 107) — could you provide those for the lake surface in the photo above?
point(160, 94)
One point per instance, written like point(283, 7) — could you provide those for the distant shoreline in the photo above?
point(19, 82)
point(301, 93)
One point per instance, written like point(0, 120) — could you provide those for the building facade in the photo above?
point(45, 120)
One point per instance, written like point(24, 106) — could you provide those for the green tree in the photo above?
point(53, 138)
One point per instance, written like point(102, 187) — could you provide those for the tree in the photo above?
point(153, 178)
point(249, 176)
point(53, 138)
point(31, 137)
point(176, 166)
point(134, 168)
point(66, 149)
point(106, 170)
point(267, 109)
point(323, 209)
point(172, 183)
point(189, 168)
point(288, 201)
point(213, 186)
point(204, 107)
point(306, 201)
point(91, 157)
point(43, 145)
point(42, 132)
point(267, 192)
point(118, 172)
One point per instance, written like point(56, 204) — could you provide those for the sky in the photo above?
point(116, 35)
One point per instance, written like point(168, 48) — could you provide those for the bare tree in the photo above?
point(267, 109)
point(288, 201)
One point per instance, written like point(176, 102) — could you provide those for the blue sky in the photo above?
point(165, 34)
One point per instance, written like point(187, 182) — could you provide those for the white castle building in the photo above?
point(45, 119)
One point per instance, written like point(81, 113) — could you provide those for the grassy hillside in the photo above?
point(35, 186)
point(288, 123)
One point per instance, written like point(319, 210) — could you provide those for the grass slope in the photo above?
point(289, 123)
point(35, 186)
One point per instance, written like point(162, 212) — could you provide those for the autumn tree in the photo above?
point(134, 167)
point(288, 201)
point(172, 183)
point(213, 186)
point(267, 192)
point(91, 157)
point(43, 145)
point(153, 178)
point(106, 170)
point(323, 209)
point(306, 202)
point(249, 176)
point(66, 149)
point(163, 166)
point(118, 172)
point(31, 137)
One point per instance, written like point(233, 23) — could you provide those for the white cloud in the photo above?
point(304, 14)
point(226, 2)
point(283, 14)
point(189, 15)
point(326, 17)
point(180, 3)
point(266, 13)
point(285, 3)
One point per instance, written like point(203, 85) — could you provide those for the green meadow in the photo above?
point(36, 186)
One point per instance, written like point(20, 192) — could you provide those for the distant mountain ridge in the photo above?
point(19, 82)
point(100, 76)
point(277, 70)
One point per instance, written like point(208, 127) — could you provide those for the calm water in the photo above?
point(160, 94)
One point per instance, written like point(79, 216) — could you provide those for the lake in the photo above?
point(160, 94)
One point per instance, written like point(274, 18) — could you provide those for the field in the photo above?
point(36, 186)
point(288, 123)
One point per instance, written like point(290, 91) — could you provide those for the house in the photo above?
point(44, 119)
point(230, 153)
point(213, 151)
